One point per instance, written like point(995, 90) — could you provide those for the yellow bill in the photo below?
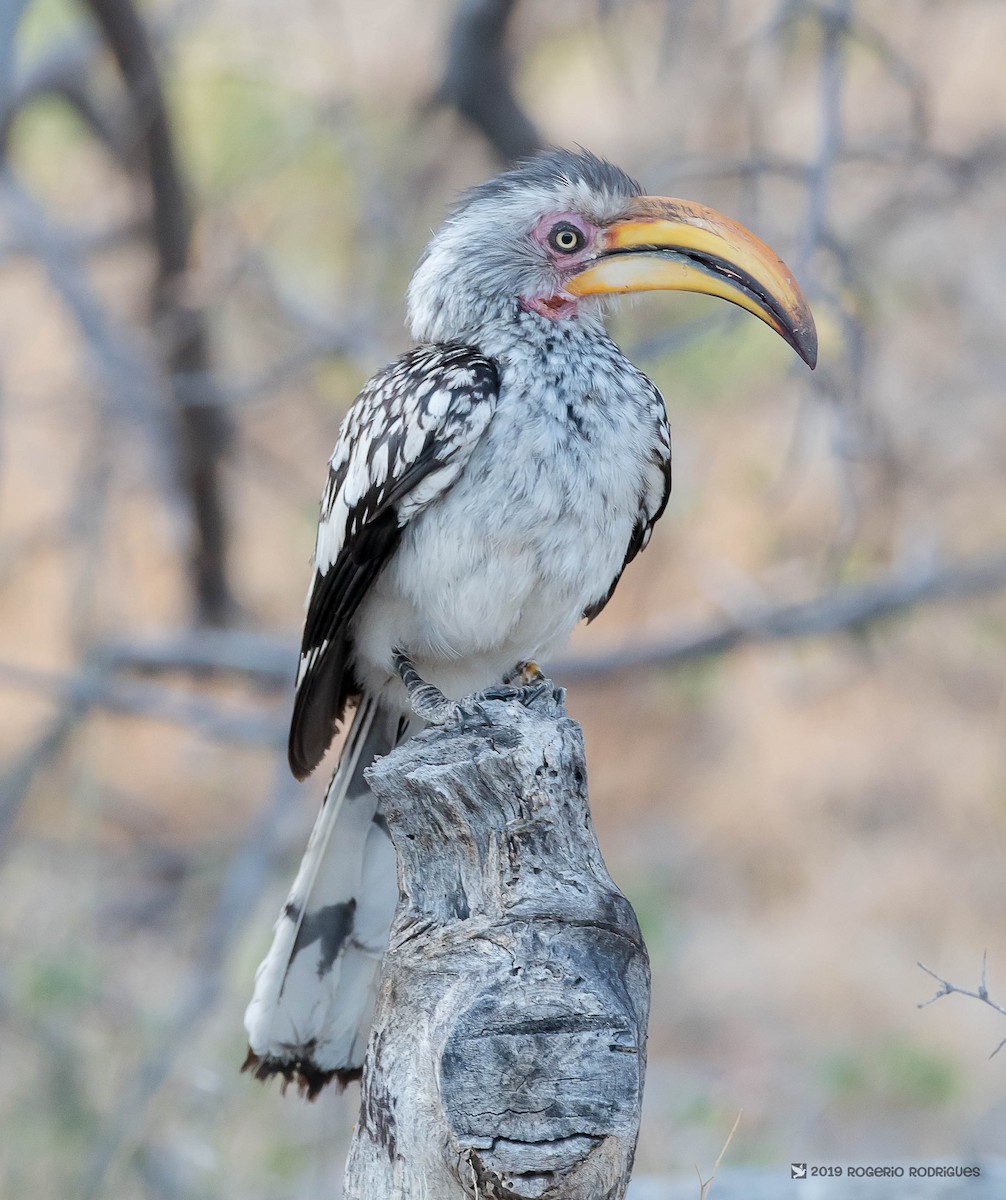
point(676, 245)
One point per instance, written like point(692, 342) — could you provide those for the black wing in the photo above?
point(414, 424)
point(652, 499)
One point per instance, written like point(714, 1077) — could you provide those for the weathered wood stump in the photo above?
point(508, 1048)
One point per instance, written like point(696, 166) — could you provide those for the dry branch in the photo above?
point(95, 688)
point(10, 17)
point(65, 74)
point(846, 608)
point(508, 1047)
point(477, 78)
point(266, 659)
point(202, 422)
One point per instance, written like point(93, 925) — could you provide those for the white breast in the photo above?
point(536, 528)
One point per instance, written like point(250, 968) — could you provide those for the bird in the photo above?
point(487, 490)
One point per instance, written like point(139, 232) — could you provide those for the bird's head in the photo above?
point(559, 232)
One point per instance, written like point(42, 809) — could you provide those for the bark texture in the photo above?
point(508, 1048)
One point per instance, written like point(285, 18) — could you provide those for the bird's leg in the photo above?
point(427, 700)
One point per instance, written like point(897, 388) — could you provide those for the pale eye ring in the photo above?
point(566, 238)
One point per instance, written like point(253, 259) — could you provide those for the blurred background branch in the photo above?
point(203, 426)
point(477, 78)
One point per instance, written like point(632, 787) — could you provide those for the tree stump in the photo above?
point(508, 1049)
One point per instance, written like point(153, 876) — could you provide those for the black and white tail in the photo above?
point(311, 1012)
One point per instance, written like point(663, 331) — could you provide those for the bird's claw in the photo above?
point(501, 691)
point(471, 716)
point(534, 691)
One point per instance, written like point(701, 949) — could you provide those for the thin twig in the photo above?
point(16, 781)
point(834, 22)
point(947, 988)
point(706, 1185)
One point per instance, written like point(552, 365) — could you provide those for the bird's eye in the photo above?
point(565, 238)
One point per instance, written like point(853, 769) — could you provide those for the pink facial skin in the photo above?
point(560, 304)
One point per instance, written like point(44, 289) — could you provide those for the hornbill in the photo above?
point(487, 490)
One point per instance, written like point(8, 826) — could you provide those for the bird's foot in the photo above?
point(530, 680)
point(472, 713)
point(526, 683)
point(430, 703)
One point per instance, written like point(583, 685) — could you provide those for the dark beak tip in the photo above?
point(804, 342)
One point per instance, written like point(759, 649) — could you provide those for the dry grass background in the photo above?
point(797, 823)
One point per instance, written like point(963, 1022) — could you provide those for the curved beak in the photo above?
point(676, 245)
